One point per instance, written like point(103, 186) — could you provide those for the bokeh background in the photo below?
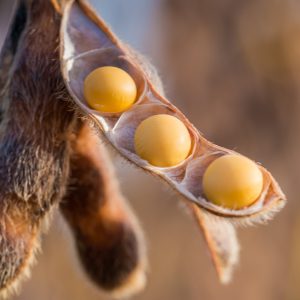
point(233, 67)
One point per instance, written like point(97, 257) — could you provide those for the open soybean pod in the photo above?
point(88, 44)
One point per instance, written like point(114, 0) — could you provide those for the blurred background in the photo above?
point(233, 67)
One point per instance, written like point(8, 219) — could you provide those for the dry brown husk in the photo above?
point(86, 44)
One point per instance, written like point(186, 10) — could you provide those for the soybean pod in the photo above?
point(87, 44)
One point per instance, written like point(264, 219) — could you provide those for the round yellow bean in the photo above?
point(232, 181)
point(162, 140)
point(109, 89)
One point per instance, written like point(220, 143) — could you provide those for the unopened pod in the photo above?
point(88, 44)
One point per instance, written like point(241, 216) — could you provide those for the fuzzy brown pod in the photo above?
point(43, 165)
point(86, 44)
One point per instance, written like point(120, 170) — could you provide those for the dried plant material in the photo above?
point(109, 240)
point(36, 133)
point(41, 136)
point(102, 48)
point(34, 137)
point(86, 44)
point(222, 242)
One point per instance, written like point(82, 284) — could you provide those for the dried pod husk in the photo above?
point(36, 123)
point(222, 242)
point(23, 241)
point(107, 235)
point(36, 131)
point(86, 44)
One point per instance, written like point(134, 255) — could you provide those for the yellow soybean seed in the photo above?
point(232, 181)
point(162, 140)
point(109, 89)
